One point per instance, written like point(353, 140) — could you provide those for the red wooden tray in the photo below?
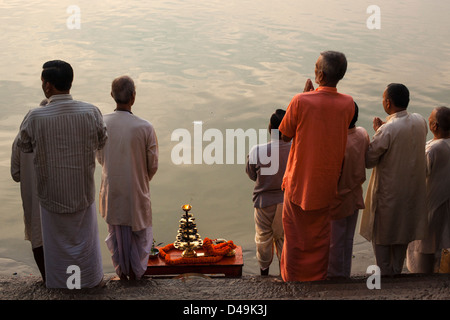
point(228, 266)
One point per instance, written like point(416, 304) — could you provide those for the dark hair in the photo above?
point(276, 118)
point(399, 94)
point(443, 118)
point(355, 117)
point(334, 65)
point(58, 73)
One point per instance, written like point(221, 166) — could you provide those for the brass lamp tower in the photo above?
point(188, 238)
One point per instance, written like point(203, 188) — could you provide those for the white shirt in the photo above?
point(129, 160)
point(395, 205)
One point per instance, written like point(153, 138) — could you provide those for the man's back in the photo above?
point(267, 189)
point(350, 192)
point(64, 136)
point(397, 185)
point(397, 150)
point(319, 122)
point(438, 172)
point(129, 160)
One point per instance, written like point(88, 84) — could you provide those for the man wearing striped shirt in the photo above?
point(64, 135)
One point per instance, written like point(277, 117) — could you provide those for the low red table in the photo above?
point(231, 267)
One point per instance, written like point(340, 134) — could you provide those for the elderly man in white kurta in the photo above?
point(129, 161)
point(395, 212)
point(424, 255)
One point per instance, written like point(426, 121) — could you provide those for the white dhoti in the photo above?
point(129, 249)
point(71, 239)
point(424, 256)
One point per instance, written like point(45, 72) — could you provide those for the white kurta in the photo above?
point(438, 173)
point(129, 160)
point(395, 205)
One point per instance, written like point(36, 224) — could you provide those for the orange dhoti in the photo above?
point(306, 243)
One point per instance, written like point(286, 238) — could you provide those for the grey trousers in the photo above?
point(390, 258)
point(341, 246)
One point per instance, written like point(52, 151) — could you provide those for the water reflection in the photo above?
point(228, 64)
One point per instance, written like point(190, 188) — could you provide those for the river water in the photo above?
point(225, 64)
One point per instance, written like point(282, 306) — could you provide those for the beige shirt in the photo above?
point(395, 202)
point(438, 197)
point(267, 190)
point(353, 175)
point(64, 136)
point(438, 173)
point(22, 170)
point(129, 161)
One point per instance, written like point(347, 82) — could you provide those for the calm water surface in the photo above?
point(229, 64)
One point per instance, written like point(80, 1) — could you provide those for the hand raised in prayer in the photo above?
point(308, 86)
point(377, 122)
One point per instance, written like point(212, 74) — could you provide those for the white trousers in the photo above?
point(269, 233)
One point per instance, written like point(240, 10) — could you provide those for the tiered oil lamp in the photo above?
point(188, 238)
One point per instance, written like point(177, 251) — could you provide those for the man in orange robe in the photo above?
point(317, 122)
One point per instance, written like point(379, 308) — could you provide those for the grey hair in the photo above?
point(122, 89)
point(334, 65)
point(443, 118)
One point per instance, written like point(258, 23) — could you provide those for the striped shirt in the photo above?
point(64, 135)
